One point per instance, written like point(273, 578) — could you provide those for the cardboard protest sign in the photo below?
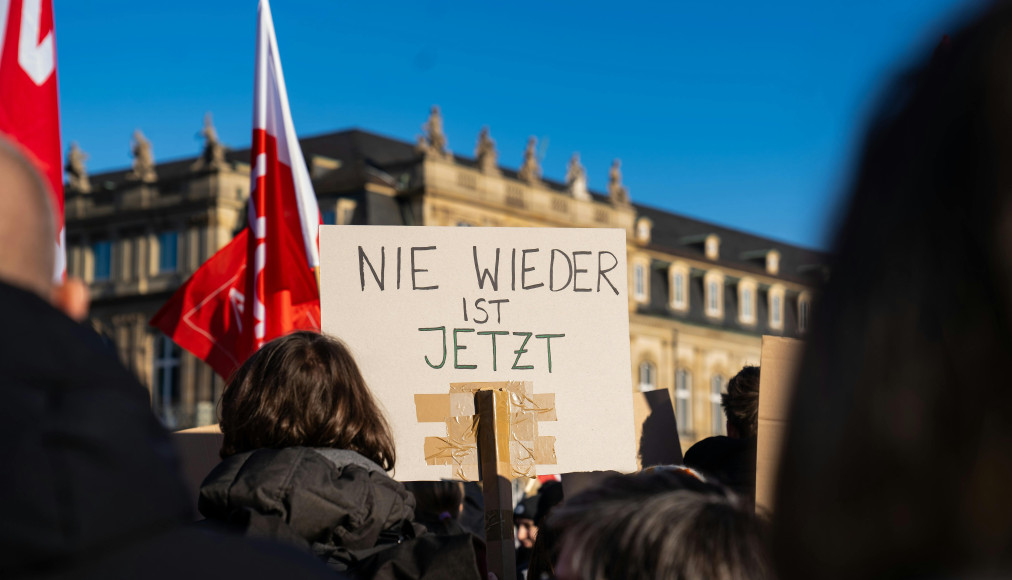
point(198, 455)
point(656, 429)
point(778, 370)
point(434, 314)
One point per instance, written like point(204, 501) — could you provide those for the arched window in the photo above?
point(648, 376)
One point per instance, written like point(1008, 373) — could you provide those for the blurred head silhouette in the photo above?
point(28, 234)
point(898, 459)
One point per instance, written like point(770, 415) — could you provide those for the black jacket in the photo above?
point(90, 484)
point(731, 461)
point(336, 504)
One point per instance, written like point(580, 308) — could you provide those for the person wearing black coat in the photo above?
point(305, 455)
point(731, 459)
point(90, 484)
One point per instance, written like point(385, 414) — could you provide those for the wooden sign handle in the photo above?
point(492, 408)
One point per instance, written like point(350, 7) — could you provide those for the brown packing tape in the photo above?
point(544, 406)
point(517, 411)
point(544, 450)
point(461, 404)
point(432, 408)
point(443, 451)
point(438, 451)
point(503, 435)
point(467, 472)
point(522, 388)
point(522, 459)
point(461, 430)
point(524, 427)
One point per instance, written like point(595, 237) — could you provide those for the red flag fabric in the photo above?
point(29, 107)
point(262, 285)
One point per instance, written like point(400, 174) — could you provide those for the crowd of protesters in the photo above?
point(897, 461)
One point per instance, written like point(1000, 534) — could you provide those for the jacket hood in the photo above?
point(87, 463)
point(336, 502)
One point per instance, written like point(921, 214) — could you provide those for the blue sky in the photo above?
point(744, 113)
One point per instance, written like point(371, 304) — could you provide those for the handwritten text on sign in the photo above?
point(559, 271)
point(424, 308)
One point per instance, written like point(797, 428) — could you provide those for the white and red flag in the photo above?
point(29, 106)
point(262, 285)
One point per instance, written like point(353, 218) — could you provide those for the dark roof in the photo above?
point(370, 158)
point(353, 147)
point(682, 235)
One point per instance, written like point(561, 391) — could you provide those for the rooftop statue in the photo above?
point(617, 192)
point(485, 153)
point(213, 155)
point(433, 142)
point(530, 171)
point(144, 162)
point(576, 178)
point(77, 173)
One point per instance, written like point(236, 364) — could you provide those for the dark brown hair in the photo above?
point(741, 402)
point(303, 389)
point(665, 524)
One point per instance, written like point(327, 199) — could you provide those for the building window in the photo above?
point(716, 412)
point(714, 295)
point(168, 251)
point(678, 283)
point(166, 384)
point(777, 307)
point(679, 276)
point(746, 300)
point(773, 262)
point(648, 376)
point(639, 283)
point(683, 401)
point(804, 306)
point(711, 246)
point(643, 227)
point(102, 267)
point(346, 211)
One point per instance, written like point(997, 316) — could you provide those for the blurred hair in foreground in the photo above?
point(664, 523)
point(898, 460)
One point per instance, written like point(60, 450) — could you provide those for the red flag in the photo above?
point(262, 285)
point(29, 107)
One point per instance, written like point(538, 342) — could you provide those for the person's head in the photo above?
point(549, 496)
point(741, 403)
point(659, 525)
point(437, 500)
point(28, 235)
point(897, 458)
point(523, 518)
point(303, 389)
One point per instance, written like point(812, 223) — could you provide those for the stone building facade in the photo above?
point(700, 295)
